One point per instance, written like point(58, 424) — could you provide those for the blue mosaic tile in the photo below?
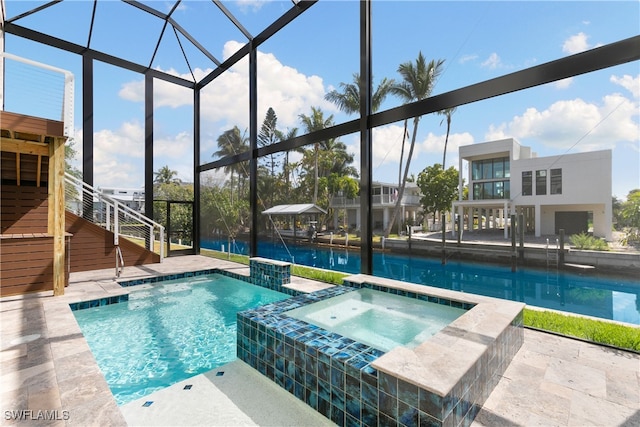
point(407, 415)
point(336, 373)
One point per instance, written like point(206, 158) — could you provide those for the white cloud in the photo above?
point(387, 144)
point(119, 155)
point(576, 44)
point(492, 62)
point(564, 83)
point(632, 84)
point(575, 123)
point(467, 58)
point(224, 101)
point(434, 144)
point(250, 5)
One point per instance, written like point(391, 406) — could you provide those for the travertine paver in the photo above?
point(46, 365)
point(564, 382)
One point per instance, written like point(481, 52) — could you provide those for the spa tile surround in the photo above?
point(442, 382)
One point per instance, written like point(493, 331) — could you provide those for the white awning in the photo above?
point(303, 208)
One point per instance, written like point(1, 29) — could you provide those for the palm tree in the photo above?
point(447, 112)
point(314, 123)
point(417, 84)
point(349, 99)
point(286, 168)
point(231, 143)
point(166, 176)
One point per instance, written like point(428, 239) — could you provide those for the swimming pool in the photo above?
point(168, 331)
point(379, 319)
point(607, 298)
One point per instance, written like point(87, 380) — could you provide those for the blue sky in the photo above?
point(477, 40)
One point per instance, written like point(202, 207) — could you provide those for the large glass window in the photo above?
point(487, 170)
point(541, 182)
point(477, 191)
point(491, 190)
point(477, 170)
point(556, 181)
point(527, 184)
point(498, 168)
point(490, 169)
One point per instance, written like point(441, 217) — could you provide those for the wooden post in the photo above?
point(57, 212)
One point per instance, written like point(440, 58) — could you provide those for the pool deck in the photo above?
point(47, 366)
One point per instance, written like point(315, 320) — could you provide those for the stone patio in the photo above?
point(48, 369)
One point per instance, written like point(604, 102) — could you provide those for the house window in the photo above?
point(527, 184)
point(498, 191)
point(498, 168)
point(556, 181)
point(487, 170)
point(476, 170)
point(477, 191)
point(541, 182)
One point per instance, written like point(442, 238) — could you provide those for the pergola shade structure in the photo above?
point(201, 49)
point(297, 209)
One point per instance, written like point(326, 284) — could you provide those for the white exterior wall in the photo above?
point(586, 186)
point(586, 183)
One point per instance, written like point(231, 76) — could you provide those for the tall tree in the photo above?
point(286, 167)
point(231, 143)
point(312, 123)
point(348, 99)
point(630, 209)
point(417, 84)
point(166, 176)
point(268, 135)
point(447, 113)
point(439, 188)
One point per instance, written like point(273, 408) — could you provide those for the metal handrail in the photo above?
point(114, 214)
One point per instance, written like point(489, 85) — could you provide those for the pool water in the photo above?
point(379, 319)
point(168, 332)
point(613, 298)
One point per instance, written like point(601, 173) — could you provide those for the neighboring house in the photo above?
point(131, 197)
point(383, 201)
point(570, 191)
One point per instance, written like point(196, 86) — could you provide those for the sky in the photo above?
point(319, 51)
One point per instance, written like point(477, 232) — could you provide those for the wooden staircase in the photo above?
point(40, 242)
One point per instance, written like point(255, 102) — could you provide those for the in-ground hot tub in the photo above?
point(441, 379)
point(379, 319)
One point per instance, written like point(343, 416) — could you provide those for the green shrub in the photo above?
point(588, 242)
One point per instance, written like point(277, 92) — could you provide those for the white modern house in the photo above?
point(131, 197)
point(383, 201)
point(569, 191)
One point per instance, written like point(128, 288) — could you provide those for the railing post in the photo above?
point(162, 253)
point(107, 209)
point(151, 238)
point(116, 227)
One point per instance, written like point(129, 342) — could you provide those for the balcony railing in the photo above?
point(376, 200)
point(35, 89)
